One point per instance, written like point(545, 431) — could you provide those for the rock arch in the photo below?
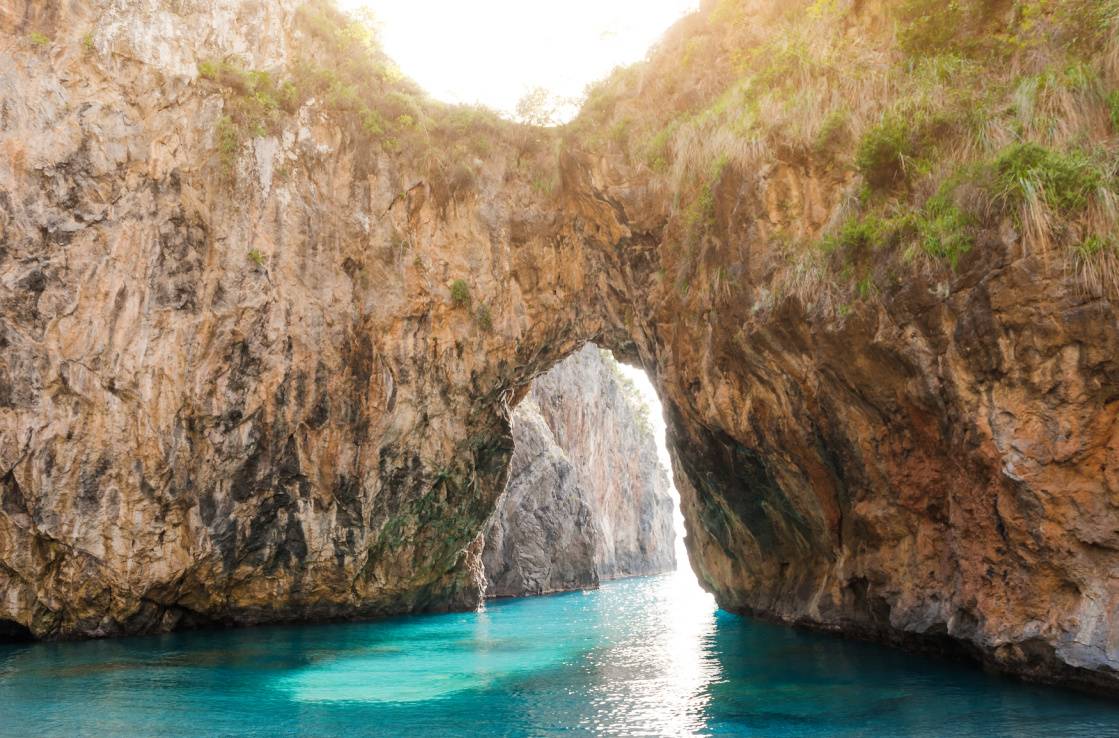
point(265, 395)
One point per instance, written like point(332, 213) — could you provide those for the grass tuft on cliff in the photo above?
point(460, 293)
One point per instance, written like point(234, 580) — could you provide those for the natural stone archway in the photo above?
point(277, 387)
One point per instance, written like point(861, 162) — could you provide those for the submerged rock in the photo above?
point(587, 498)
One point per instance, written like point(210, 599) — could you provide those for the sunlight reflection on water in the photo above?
point(647, 653)
point(660, 677)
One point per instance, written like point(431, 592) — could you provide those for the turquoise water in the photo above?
point(640, 657)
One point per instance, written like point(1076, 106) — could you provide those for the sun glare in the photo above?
point(495, 51)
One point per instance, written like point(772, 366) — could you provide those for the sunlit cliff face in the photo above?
point(494, 51)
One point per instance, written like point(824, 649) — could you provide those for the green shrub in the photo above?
point(289, 96)
point(256, 257)
point(253, 103)
point(1079, 76)
point(928, 26)
point(939, 228)
point(1094, 245)
point(1113, 109)
point(228, 141)
point(208, 69)
point(944, 230)
point(865, 287)
point(619, 131)
point(856, 235)
point(372, 123)
point(657, 153)
point(700, 215)
point(38, 39)
point(545, 185)
point(883, 151)
point(832, 132)
point(1078, 25)
point(460, 293)
point(1066, 182)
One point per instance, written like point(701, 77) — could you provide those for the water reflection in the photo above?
point(659, 673)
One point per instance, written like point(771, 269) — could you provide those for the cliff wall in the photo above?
point(587, 499)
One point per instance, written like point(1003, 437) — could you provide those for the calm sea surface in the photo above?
point(647, 656)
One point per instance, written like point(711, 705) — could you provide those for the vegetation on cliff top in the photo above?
point(920, 127)
point(340, 67)
point(922, 124)
point(632, 395)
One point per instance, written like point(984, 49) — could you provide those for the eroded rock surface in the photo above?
point(236, 387)
point(587, 498)
point(253, 395)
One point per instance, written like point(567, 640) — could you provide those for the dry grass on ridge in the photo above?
point(954, 116)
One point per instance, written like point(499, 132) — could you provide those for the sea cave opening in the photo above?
point(590, 495)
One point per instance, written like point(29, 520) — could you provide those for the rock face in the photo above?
point(587, 499)
point(230, 389)
point(268, 376)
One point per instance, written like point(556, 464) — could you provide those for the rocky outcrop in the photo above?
point(926, 457)
point(587, 499)
point(268, 376)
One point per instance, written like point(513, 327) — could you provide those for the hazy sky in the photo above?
point(493, 51)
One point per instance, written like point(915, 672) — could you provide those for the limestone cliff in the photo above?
point(265, 309)
point(587, 498)
point(239, 379)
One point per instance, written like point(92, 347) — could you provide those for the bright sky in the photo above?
point(494, 51)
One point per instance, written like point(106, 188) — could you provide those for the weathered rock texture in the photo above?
point(587, 498)
point(254, 397)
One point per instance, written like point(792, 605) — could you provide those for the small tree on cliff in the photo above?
point(538, 107)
